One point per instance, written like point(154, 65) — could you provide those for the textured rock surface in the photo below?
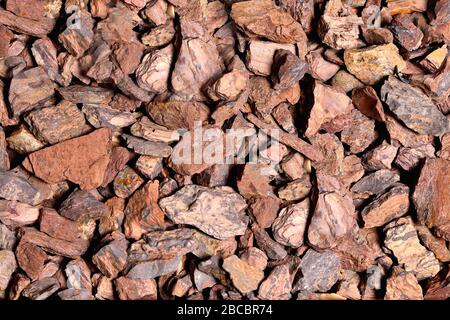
point(371, 64)
point(289, 227)
point(75, 161)
point(402, 239)
point(414, 108)
point(218, 212)
point(245, 277)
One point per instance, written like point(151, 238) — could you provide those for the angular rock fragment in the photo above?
point(414, 108)
point(333, 218)
point(75, 160)
point(142, 212)
point(345, 81)
point(366, 101)
point(218, 212)
point(360, 134)
point(154, 71)
point(244, 277)
point(154, 269)
point(70, 249)
point(403, 286)
point(265, 210)
point(178, 114)
point(29, 89)
point(260, 55)
point(37, 28)
point(253, 182)
point(41, 289)
point(254, 257)
point(288, 69)
point(56, 124)
point(148, 148)
point(386, 207)
point(81, 205)
point(320, 271)
point(77, 38)
point(203, 280)
point(103, 116)
point(373, 63)
point(18, 284)
point(273, 249)
point(290, 225)
point(433, 243)
point(277, 286)
point(7, 238)
point(339, 26)
point(295, 190)
point(430, 196)
point(15, 187)
point(23, 141)
point(126, 182)
point(402, 239)
point(381, 157)
point(320, 68)
point(86, 94)
point(112, 258)
point(264, 19)
point(376, 182)
point(159, 36)
point(4, 157)
point(328, 104)
point(405, 32)
point(31, 259)
point(8, 265)
point(136, 289)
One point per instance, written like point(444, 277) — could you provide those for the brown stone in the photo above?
point(136, 289)
point(386, 207)
point(72, 249)
point(102, 116)
point(287, 69)
point(328, 104)
point(82, 205)
point(373, 63)
point(431, 196)
point(178, 114)
point(277, 286)
point(112, 258)
point(254, 257)
point(295, 190)
point(265, 210)
point(290, 225)
point(218, 211)
point(345, 81)
point(56, 124)
point(403, 286)
point(23, 141)
point(142, 213)
point(433, 243)
point(402, 239)
point(273, 249)
point(360, 134)
point(320, 68)
point(381, 157)
point(264, 19)
point(126, 182)
point(366, 101)
point(154, 71)
point(405, 32)
point(29, 89)
point(86, 94)
point(244, 277)
point(78, 40)
point(75, 161)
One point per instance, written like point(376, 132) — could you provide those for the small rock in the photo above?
point(155, 268)
point(320, 271)
point(254, 257)
point(74, 160)
point(244, 277)
point(366, 101)
point(148, 166)
point(403, 286)
point(265, 210)
point(345, 81)
point(56, 124)
point(126, 182)
point(260, 56)
point(290, 225)
point(112, 258)
point(381, 157)
point(31, 259)
point(373, 63)
point(287, 68)
point(386, 207)
point(136, 289)
point(278, 285)
point(376, 182)
point(23, 141)
point(142, 212)
point(81, 205)
point(148, 148)
point(41, 289)
point(218, 212)
point(402, 239)
point(414, 108)
point(360, 134)
point(295, 190)
point(8, 265)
